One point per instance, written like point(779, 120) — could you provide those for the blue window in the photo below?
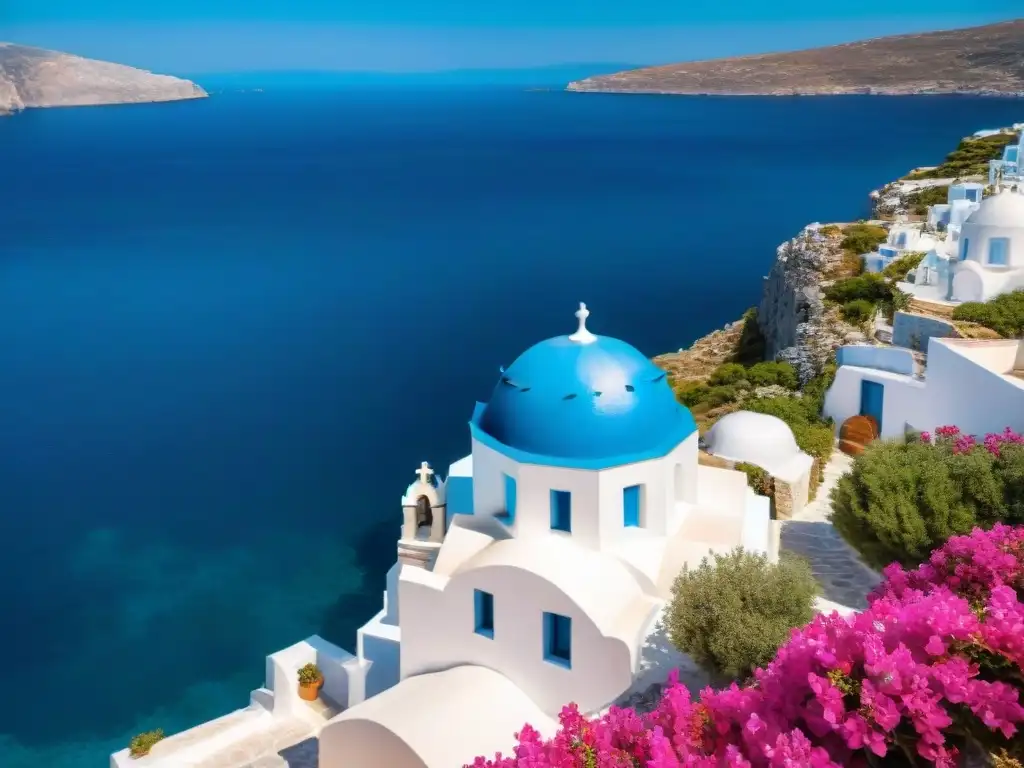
point(510, 499)
point(561, 511)
point(963, 250)
point(558, 639)
point(973, 194)
point(483, 610)
point(631, 498)
point(999, 251)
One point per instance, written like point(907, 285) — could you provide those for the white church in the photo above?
point(981, 255)
point(531, 576)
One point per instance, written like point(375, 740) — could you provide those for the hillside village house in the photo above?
point(903, 238)
point(534, 573)
point(976, 385)
point(1009, 167)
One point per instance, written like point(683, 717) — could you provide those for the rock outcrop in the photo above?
point(792, 315)
point(34, 77)
point(983, 60)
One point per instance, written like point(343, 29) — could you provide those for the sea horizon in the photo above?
point(234, 327)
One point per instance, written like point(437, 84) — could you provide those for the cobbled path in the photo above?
point(845, 580)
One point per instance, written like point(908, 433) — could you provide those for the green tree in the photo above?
point(732, 613)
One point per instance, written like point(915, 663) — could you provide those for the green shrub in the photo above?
point(768, 374)
point(728, 373)
point(731, 615)
point(1004, 314)
point(897, 269)
point(970, 158)
point(757, 478)
point(863, 238)
point(140, 745)
point(901, 501)
point(813, 400)
point(309, 674)
point(831, 229)
point(858, 311)
point(918, 202)
point(870, 287)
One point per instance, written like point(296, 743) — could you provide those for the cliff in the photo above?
point(34, 77)
point(977, 60)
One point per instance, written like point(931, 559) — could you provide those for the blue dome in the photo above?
point(590, 404)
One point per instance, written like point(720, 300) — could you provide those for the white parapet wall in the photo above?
point(278, 699)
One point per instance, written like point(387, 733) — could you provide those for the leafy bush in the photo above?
point(899, 268)
point(813, 436)
point(900, 501)
point(728, 373)
point(758, 479)
point(1004, 314)
point(732, 614)
point(141, 744)
point(768, 374)
point(918, 202)
point(863, 238)
point(934, 664)
point(310, 674)
point(870, 287)
point(831, 229)
point(858, 311)
point(970, 158)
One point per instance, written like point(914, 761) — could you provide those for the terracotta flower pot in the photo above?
point(310, 691)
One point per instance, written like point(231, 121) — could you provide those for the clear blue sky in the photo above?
point(410, 35)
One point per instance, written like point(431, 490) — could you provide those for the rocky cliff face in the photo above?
point(34, 77)
point(792, 315)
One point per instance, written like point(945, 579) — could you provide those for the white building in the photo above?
point(962, 196)
point(534, 575)
point(903, 238)
point(1009, 166)
point(976, 385)
point(991, 258)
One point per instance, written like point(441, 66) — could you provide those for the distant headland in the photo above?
point(982, 60)
point(35, 77)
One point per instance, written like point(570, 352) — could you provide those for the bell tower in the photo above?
point(423, 520)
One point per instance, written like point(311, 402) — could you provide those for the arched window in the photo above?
point(424, 518)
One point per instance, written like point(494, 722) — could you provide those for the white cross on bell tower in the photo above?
point(425, 473)
point(582, 335)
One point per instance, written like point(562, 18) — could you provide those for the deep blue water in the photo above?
point(231, 329)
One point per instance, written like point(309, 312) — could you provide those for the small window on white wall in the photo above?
point(999, 251)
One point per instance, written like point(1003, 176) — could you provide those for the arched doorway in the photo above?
point(424, 518)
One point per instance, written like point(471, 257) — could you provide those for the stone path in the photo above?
point(845, 580)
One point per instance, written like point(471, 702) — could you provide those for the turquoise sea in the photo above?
point(231, 329)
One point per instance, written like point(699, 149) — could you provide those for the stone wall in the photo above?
point(912, 331)
point(792, 314)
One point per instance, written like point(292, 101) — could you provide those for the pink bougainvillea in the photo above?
point(936, 658)
point(993, 442)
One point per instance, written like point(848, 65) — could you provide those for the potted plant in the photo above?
point(310, 681)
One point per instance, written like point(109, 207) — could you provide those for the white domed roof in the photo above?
point(1003, 210)
point(760, 439)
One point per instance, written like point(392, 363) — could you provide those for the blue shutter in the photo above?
point(631, 506)
point(483, 610)
point(999, 251)
point(558, 639)
point(561, 511)
point(510, 499)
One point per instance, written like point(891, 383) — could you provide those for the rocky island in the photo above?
point(986, 60)
point(35, 77)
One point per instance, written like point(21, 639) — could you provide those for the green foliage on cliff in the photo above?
point(898, 269)
point(970, 158)
point(751, 346)
point(1004, 314)
point(869, 287)
point(858, 311)
point(863, 238)
point(918, 202)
